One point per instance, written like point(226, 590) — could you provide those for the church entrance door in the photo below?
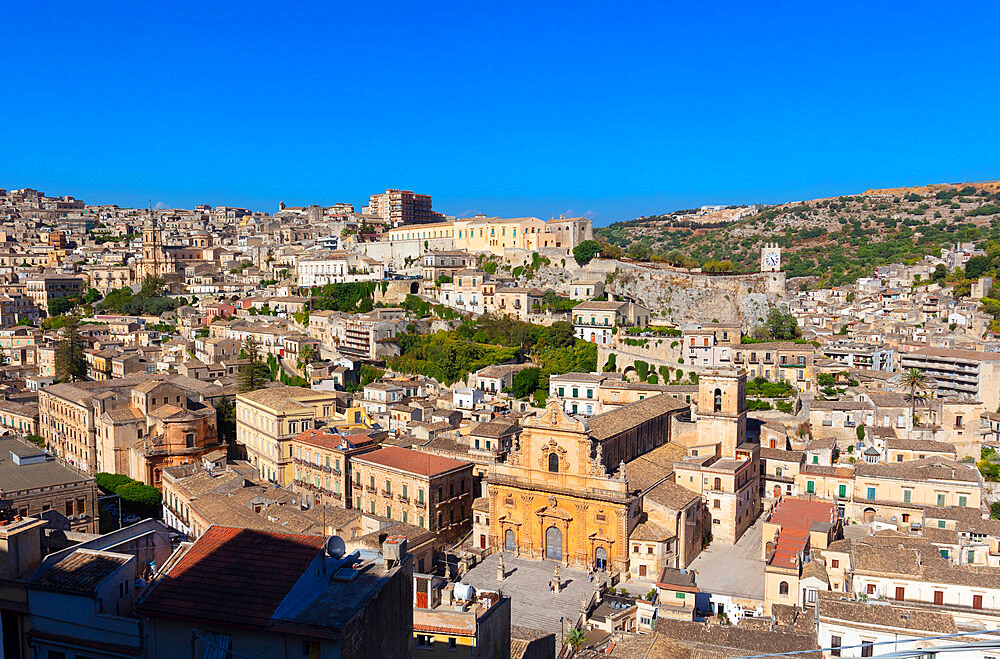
point(553, 543)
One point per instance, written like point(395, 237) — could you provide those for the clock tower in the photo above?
point(770, 258)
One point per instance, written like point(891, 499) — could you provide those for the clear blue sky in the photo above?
point(536, 108)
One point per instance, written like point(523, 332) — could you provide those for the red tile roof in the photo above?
point(796, 517)
point(233, 576)
point(414, 462)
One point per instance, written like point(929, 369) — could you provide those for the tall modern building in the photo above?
point(402, 207)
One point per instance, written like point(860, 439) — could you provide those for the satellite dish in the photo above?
point(335, 547)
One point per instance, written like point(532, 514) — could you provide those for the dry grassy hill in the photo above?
point(833, 240)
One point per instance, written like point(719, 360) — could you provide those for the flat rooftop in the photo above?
point(46, 473)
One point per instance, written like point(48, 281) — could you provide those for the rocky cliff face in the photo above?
point(676, 296)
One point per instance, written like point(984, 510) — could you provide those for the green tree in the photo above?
point(60, 305)
point(307, 355)
point(560, 334)
point(71, 365)
point(940, 272)
point(151, 287)
point(779, 325)
point(826, 379)
point(585, 252)
point(914, 380)
point(525, 382)
point(976, 266)
point(225, 419)
point(255, 371)
point(575, 638)
point(93, 295)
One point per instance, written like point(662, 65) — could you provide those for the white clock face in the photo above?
point(771, 258)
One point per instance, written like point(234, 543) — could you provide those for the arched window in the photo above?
point(777, 472)
point(718, 400)
point(783, 588)
point(553, 463)
point(718, 484)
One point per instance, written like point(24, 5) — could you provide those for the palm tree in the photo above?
point(914, 380)
point(574, 638)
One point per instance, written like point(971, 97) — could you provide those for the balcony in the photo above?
point(422, 503)
point(404, 499)
point(386, 493)
point(369, 489)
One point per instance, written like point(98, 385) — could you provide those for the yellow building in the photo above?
point(267, 420)
point(558, 496)
point(494, 234)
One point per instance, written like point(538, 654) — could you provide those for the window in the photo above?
point(388, 487)
point(717, 404)
point(405, 495)
point(811, 487)
point(835, 643)
point(835, 563)
point(783, 588)
point(940, 500)
point(425, 641)
point(452, 643)
point(963, 501)
point(842, 491)
point(941, 523)
point(553, 462)
point(718, 484)
point(867, 649)
point(189, 440)
point(977, 601)
point(871, 493)
point(907, 495)
point(970, 557)
point(939, 595)
point(815, 459)
point(900, 593)
point(717, 504)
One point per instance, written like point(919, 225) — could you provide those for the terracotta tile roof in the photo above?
point(928, 445)
point(408, 460)
point(607, 425)
point(934, 467)
point(257, 569)
point(836, 606)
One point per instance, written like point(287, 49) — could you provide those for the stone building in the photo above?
point(33, 483)
point(322, 462)
point(721, 465)
point(563, 494)
point(429, 491)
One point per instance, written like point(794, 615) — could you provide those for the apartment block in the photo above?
point(958, 373)
point(421, 489)
point(402, 207)
point(33, 482)
point(267, 420)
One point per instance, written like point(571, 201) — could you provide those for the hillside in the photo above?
point(834, 241)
